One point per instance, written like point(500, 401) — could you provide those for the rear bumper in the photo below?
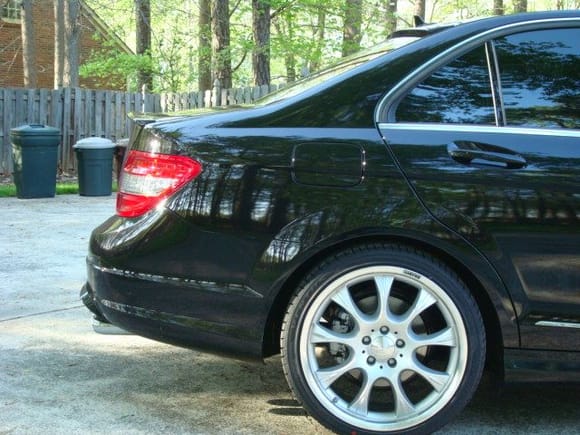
point(161, 277)
point(186, 314)
point(88, 299)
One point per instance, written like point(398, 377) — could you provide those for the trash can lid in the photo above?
point(34, 130)
point(94, 143)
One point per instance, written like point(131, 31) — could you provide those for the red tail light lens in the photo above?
point(150, 178)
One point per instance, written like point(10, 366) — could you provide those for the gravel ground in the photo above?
point(57, 376)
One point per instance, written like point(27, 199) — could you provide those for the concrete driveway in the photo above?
point(58, 376)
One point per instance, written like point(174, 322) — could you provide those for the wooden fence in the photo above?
point(81, 113)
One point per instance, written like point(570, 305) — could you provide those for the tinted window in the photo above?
point(344, 65)
point(457, 93)
point(540, 74)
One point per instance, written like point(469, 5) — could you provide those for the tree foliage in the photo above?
point(260, 41)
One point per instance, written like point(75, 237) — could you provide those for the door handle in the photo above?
point(466, 152)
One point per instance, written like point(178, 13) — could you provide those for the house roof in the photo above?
point(104, 28)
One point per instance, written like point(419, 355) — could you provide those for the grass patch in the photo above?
point(7, 190)
point(67, 188)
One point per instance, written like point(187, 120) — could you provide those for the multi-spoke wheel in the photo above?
point(383, 339)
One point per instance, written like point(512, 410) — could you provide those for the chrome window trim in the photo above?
point(496, 84)
point(390, 99)
point(490, 59)
point(555, 324)
point(472, 128)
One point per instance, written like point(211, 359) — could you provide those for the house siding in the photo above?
point(11, 69)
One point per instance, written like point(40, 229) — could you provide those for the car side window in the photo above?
point(459, 92)
point(540, 78)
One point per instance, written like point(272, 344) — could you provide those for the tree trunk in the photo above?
point(420, 9)
point(28, 46)
point(204, 49)
point(58, 43)
point(391, 17)
point(221, 56)
point(351, 34)
point(498, 8)
point(288, 34)
point(290, 58)
point(261, 31)
point(520, 6)
point(320, 33)
point(143, 43)
point(71, 47)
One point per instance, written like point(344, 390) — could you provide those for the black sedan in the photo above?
point(392, 225)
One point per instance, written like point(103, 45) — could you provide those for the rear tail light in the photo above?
point(149, 178)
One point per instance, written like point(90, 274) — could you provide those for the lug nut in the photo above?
point(400, 343)
point(371, 360)
point(392, 362)
point(384, 330)
point(366, 340)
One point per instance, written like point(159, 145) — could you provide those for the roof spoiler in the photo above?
point(421, 28)
point(146, 118)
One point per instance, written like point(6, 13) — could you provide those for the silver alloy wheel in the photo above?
point(390, 368)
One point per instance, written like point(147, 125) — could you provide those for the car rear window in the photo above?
point(344, 65)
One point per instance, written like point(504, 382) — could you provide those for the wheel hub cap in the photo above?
point(383, 348)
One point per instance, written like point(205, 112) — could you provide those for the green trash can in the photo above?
point(95, 166)
point(35, 157)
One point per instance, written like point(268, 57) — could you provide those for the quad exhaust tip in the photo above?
point(106, 328)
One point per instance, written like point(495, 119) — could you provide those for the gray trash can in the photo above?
point(95, 166)
point(35, 157)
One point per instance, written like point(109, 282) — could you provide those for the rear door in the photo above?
point(490, 141)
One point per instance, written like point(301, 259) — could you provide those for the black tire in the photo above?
point(407, 368)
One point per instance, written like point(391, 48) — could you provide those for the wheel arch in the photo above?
point(493, 329)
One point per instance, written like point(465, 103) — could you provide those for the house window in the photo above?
point(10, 10)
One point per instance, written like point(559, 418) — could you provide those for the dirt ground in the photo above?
point(57, 376)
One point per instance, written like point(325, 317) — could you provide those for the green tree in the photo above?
point(72, 27)
point(520, 6)
point(420, 9)
point(390, 16)
point(58, 43)
point(28, 45)
point(308, 35)
point(302, 36)
point(261, 33)
point(204, 46)
point(351, 34)
point(221, 50)
point(284, 25)
point(143, 43)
